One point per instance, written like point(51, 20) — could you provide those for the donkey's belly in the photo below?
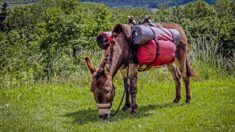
point(146, 54)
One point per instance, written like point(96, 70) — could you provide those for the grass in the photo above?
point(66, 107)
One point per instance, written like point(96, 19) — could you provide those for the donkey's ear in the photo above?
point(90, 66)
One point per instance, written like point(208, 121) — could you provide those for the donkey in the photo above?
point(116, 58)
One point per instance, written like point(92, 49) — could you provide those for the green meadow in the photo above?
point(71, 107)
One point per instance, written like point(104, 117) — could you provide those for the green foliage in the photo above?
point(47, 40)
point(49, 45)
point(206, 26)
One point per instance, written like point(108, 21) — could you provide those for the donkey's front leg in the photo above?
point(177, 78)
point(125, 81)
point(127, 103)
point(133, 87)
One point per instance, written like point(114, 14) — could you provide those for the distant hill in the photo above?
point(14, 3)
point(10, 2)
point(144, 3)
point(119, 3)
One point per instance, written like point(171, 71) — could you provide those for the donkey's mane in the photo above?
point(108, 57)
point(125, 28)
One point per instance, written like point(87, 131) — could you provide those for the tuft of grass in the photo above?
point(64, 107)
point(208, 55)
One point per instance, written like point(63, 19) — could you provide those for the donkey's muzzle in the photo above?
point(104, 110)
point(103, 116)
point(104, 113)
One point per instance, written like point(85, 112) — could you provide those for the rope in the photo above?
point(125, 90)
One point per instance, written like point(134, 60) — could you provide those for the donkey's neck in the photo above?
point(116, 55)
point(115, 59)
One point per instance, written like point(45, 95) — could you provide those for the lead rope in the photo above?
point(125, 90)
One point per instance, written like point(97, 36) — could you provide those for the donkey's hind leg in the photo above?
point(184, 69)
point(186, 79)
point(177, 78)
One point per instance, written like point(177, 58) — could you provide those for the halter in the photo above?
point(104, 105)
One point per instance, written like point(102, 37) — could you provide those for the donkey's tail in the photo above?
point(190, 71)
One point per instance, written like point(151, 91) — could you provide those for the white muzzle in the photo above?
point(104, 112)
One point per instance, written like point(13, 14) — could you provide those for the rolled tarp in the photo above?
point(142, 34)
point(103, 39)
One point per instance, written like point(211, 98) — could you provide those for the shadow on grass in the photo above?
point(86, 116)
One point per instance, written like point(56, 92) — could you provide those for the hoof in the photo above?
point(133, 113)
point(176, 100)
point(103, 116)
point(125, 108)
point(187, 101)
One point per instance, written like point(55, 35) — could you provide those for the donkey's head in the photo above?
point(102, 87)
